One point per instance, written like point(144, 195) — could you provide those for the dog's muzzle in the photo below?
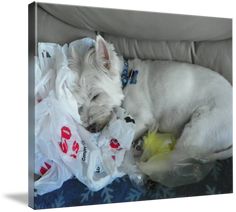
point(99, 125)
point(92, 128)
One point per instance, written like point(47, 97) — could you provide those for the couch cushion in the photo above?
point(216, 55)
point(142, 25)
point(51, 29)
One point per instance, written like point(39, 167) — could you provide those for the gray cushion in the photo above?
point(142, 25)
point(190, 39)
point(215, 55)
point(50, 29)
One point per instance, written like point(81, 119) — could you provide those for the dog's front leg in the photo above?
point(143, 125)
point(140, 129)
point(144, 121)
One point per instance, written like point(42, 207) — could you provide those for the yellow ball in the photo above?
point(157, 144)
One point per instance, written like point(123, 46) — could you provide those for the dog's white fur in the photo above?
point(190, 101)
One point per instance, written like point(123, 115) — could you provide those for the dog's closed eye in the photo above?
point(95, 97)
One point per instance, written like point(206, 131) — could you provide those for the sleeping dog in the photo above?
point(192, 102)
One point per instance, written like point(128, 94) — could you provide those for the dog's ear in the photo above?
point(103, 54)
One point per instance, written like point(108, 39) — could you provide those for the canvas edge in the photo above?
point(32, 41)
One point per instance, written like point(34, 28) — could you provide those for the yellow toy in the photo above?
point(157, 144)
point(157, 162)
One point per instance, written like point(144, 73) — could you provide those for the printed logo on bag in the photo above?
point(66, 145)
point(98, 170)
point(75, 147)
point(129, 119)
point(114, 144)
point(84, 152)
point(65, 132)
point(45, 168)
point(73, 156)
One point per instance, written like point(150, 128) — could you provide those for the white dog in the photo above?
point(190, 101)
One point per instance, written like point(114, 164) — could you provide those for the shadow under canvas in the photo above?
point(20, 198)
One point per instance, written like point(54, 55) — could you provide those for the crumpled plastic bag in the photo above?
point(63, 147)
point(154, 162)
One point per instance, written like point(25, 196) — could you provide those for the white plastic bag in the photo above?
point(66, 149)
point(63, 147)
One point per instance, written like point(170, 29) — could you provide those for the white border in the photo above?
point(14, 98)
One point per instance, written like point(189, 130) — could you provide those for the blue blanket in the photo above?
point(74, 193)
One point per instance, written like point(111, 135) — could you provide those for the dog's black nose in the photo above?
point(92, 128)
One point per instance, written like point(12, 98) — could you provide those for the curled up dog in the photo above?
point(192, 102)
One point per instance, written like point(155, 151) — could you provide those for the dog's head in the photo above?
point(100, 87)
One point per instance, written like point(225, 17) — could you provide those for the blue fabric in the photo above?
point(73, 193)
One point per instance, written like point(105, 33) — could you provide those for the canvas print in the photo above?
point(127, 105)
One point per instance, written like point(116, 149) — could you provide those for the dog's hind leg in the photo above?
point(208, 131)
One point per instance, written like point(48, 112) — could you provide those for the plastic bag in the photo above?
point(63, 148)
point(158, 163)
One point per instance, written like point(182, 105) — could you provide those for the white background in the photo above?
point(14, 103)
